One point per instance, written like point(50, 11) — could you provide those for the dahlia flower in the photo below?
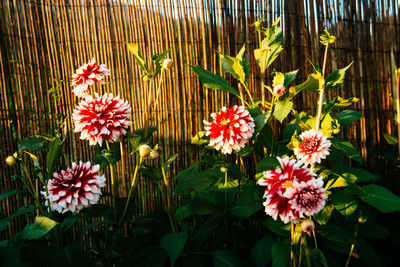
point(313, 148)
point(278, 181)
point(86, 75)
point(230, 129)
point(103, 118)
point(306, 198)
point(292, 191)
point(76, 188)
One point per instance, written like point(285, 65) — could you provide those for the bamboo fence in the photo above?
point(43, 42)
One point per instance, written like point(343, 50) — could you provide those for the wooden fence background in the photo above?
point(43, 42)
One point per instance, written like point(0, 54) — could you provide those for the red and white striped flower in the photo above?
point(76, 188)
point(102, 118)
point(307, 198)
point(313, 148)
point(230, 129)
point(86, 75)
point(278, 182)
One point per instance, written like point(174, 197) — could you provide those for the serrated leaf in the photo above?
point(245, 206)
point(336, 78)
point(348, 148)
point(281, 253)
point(278, 227)
point(213, 81)
point(380, 198)
point(324, 215)
point(32, 143)
point(260, 121)
point(68, 222)
point(344, 202)
point(39, 228)
point(347, 116)
point(134, 49)
point(174, 244)
point(229, 184)
point(313, 83)
point(392, 140)
point(279, 78)
point(237, 66)
point(282, 109)
point(289, 77)
point(260, 254)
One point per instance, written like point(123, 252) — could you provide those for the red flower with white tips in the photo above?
point(313, 148)
point(76, 188)
point(278, 182)
point(307, 198)
point(230, 129)
point(103, 118)
point(86, 75)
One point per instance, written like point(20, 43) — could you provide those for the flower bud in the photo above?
point(279, 90)
point(167, 64)
point(154, 154)
point(362, 219)
point(107, 154)
point(11, 161)
point(223, 169)
point(307, 226)
point(257, 24)
point(144, 151)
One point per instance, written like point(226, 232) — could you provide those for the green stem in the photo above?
point(352, 247)
point(131, 188)
point(262, 77)
point(113, 191)
point(32, 189)
point(321, 92)
point(292, 263)
point(315, 239)
point(163, 197)
point(248, 92)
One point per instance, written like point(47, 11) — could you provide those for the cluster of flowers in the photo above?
point(98, 119)
point(292, 191)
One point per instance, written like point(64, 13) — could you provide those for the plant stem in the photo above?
point(262, 78)
point(321, 92)
point(352, 247)
point(248, 92)
point(158, 89)
point(113, 191)
point(301, 250)
point(291, 245)
point(32, 189)
point(166, 182)
point(315, 239)
point(241, 94)
point(131, 188)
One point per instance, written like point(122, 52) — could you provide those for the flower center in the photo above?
point(310, 144)
point(287, 184)
point(307, 198)
point(224, 122)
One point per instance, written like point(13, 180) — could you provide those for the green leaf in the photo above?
point(32, 143)
point(245, 206)
point(21, 211)
point(318, 258)
point(9, 192)
point(348, 148)
point(279, 78)
point(278, 227)
point(260, 254)
point(367, 254)
point(327, 38)
point(68, 222)
point(324, 215)
point(134, 49)
point(313, 83)
point(213, 81)
point(237, 66)
point(260, 121)
point(169, 161)
point(229, 184)
point(52, 156)
point(289, 77)
point(347, 116)
point(225, 258)
point(373, 230)
point(159, 61)
point(281, 253)
point(197, 206)
point(174, 244)
point(392, 140)
point(39, 228)
point(344, 202)
point(380, 198)
point(282, 109)
point(200, 138)
point(336, 78)
point(339, 103)
point(266, 164)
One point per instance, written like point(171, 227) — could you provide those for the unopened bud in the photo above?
point(11, 161)
point(257, 24)
point(307, 226)
point(146, 78)
point(154, 154)
point(223, 169)
point(167, 64)
point(107, 154)
point(279, 90)
point(144, 151)
point(362, 219)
